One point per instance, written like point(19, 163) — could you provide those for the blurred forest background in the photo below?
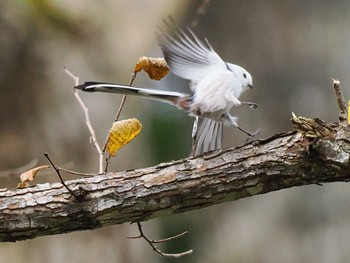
point(292, 49)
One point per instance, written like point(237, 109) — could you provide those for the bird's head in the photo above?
point(243, 75)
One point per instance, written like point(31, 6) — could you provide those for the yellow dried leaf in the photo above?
point(155, 67)
point(29, 175)
point(121, 133)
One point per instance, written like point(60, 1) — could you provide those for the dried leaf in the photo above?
point(313, 128)
point(155, 67)
point(29, 175)
point(121, 133)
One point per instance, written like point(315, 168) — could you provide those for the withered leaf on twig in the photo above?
point(121, 133)
point(313, 128)
point(156, 68)
point(29, 175)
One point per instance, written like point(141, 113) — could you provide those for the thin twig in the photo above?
point(151, 242)
point(155, 241)
point(120, 107)
point(133, 77)
point(341, 102)
point(87, 120)
point(59, 175)
point(76, 173)
point(107, 161)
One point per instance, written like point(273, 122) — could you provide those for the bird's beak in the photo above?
point(250, 86)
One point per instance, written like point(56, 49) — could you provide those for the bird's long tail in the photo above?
point(206, 136)
point(177, 99)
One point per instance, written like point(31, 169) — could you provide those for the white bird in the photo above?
point(215, 84)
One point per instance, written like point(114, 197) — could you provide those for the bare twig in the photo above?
point(155, 241)
point(59, 175)
point(341, 103)
point(87, 120)
point(151, 242)
point(107, 161)
point(120, 107)
point(133, 77)
point(76, 173)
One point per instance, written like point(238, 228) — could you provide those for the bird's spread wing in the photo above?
point(188, 57)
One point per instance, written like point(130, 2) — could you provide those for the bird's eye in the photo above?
point(244, 75)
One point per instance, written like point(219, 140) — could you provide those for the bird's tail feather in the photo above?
point(160, 95)
point(207, 136)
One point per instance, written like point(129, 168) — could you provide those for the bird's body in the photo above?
point(216, 86)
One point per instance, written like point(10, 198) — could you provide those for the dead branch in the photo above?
point(87, 119)
point(281, 161)
point(59, 176)
point(121, 106)
point(317, 153)
point(341, 103)
point(152, 243)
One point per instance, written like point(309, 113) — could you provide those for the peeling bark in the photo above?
point(282, 161)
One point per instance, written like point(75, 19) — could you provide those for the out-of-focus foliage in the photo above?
point(51, 17)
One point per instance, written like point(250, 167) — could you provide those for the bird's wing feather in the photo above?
point(188, 57)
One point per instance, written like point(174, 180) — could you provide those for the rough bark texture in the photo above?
point(282, 161)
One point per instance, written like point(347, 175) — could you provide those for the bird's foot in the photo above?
point(251, 136)
point(251, 105)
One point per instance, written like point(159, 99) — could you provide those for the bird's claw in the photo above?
point(253, 106)
point(251, 136)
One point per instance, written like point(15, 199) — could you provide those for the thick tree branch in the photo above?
point(282, 161)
